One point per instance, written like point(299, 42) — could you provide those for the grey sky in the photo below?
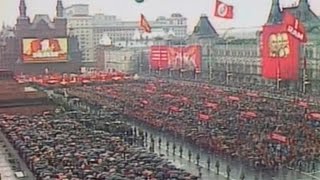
point(248, 13)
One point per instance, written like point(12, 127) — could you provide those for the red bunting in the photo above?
point(203, 117)
point(278, 137)
point(314, 116)
point(234, 98)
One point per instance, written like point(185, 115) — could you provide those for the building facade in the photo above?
point(91, 28)
point(41, 27)
point(237, 61)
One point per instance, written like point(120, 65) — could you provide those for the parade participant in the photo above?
point(189, 155)
point(159, 142)
point(181, 151)
point(174, 148)
point(242, 176)
point(217, 166)
point(198, 159)
point(228, 169)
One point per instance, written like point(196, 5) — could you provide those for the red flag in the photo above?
point(144, 24)
point(278, 137)
point(294, 27)
point(280, 53)
point(223, 10)
point(203, 117)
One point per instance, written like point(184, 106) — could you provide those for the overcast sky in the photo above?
point(248, 13)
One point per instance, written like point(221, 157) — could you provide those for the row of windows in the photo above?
point(238, 53)
point(240, 68)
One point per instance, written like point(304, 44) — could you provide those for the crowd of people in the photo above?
point(64, 146)
point(262, 132)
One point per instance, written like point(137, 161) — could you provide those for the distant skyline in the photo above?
point(248, 13)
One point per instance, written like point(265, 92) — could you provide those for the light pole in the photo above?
point(182, 60)
point(210, 61)
point(228, 73)
point(305, 81)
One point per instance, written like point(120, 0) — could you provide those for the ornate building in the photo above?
point(41, 27)
point(237, 61)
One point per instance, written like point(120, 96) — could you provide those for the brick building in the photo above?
point(11, 47)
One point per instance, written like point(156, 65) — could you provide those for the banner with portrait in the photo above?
point(44, 50)
point(185, 58)
point(280, 53)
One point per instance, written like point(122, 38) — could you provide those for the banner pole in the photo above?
point(210, 62)
point(278, 76)
point(304, 81)
point(304, 71)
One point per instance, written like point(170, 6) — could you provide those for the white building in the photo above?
point(122, 60)
point(90, 29)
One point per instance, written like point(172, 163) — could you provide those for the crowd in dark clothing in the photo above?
point(62, 147)
point(261, 132)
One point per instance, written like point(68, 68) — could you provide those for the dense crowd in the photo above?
point(262, 132)
point(65, 147)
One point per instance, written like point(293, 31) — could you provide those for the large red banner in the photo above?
point(159, 57)
point(280, 53)
point(176, 58)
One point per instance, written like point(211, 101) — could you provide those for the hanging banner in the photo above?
point(158, 57)
point(176, 58)
point(185, 58)
point(280, 53)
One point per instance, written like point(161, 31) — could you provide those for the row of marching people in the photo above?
point(263, 132)
point(60, 146)
point(72, 79)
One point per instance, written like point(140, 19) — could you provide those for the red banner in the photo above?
point(159, 57)
point(203, 117)
point(280, 48)
point(176, 58)
point(278, 137)
point(294, 27)
point(280, 53)
point(185, 58)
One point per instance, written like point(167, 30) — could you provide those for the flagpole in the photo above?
point(278, 76)
point(169, 46)
point(181, 53)
point(305, 78)
point(210, 62)
point(228, 74)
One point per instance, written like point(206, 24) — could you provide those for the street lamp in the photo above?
point(228, 73)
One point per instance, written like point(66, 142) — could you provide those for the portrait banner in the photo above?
point(280, 53)
point(175, 58)
point(44, 50)
point(185, 58)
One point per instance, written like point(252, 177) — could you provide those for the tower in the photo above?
point(23, 9)
point(59, 9)
point(304, 3)
point(275, 13)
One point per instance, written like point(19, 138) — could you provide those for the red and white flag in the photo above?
point(144, 24)
point(223, 10)
point(294, 27)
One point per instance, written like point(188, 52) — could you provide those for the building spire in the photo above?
point(59, 8)
point(22, 9)
point(304, 3)
point(275, 13)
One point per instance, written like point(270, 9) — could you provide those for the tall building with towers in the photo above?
point(41, 44)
